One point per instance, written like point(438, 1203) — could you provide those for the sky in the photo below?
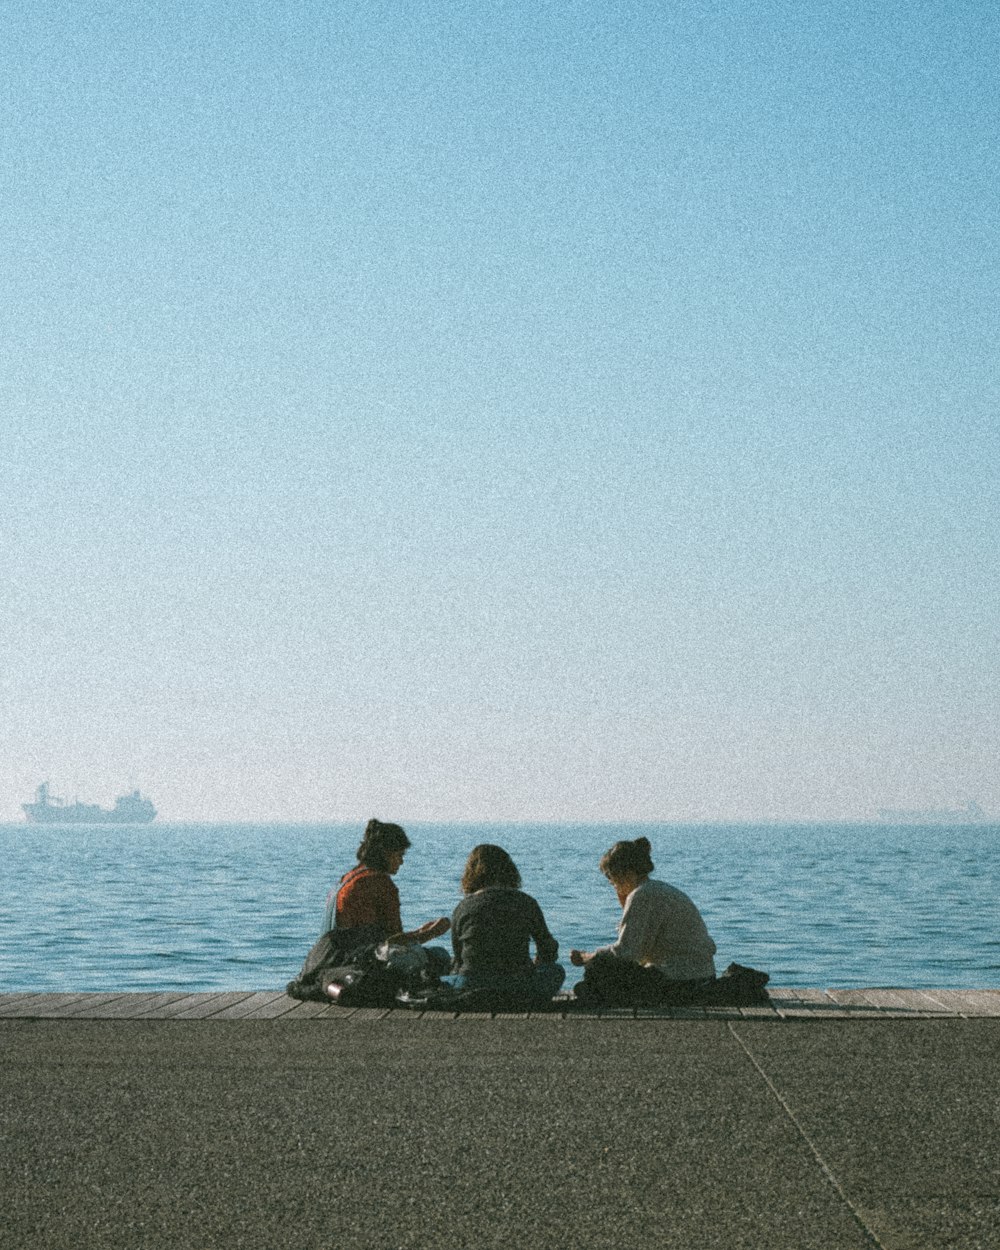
point(527, 411)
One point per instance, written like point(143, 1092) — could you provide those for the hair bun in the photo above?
point(643, 844)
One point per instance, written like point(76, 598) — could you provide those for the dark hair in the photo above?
point(379, 842)
point(489, 865)
point(628, 857)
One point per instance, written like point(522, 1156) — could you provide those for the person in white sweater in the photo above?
point(663, 945)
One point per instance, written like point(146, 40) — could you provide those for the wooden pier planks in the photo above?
point(169, 1007)
point(9, 1001)
point(48, 1006)
point(114, 1007)
point(274, 1005)
point(263, 1005)
point(803, 1004)
point(882, 1002)
point(967, 1003)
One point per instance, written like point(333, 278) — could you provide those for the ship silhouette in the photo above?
point(129, 809)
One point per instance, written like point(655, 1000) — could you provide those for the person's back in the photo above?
point(492, 929)
point(661, 927)
point(663, 945)
point(364, 896)
point(493, 926)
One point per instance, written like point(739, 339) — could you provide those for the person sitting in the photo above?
point(663, 951)
point(492, 928)
point(367, 897)
point(363, 952)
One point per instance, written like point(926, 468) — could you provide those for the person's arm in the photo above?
point(426, 933)
point(330, 914)
point(633, 930)
point(637, 923)
point(546, 947)
point(456, 946)
point(374, 899)
point(388, 906)
point(394, 924)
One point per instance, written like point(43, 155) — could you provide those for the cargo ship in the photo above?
point(129, 809)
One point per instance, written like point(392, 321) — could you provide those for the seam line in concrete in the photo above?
point(825, 1168)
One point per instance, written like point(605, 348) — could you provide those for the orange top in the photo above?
point(367, 896)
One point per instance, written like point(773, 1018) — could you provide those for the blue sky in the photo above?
point(525, 411)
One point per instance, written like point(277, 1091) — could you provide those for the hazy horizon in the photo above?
point(928, 818)
point(559, 414)
point(991, 820)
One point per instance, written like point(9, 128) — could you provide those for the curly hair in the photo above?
point(379, 842)
point(489, 865)
point(628, 857)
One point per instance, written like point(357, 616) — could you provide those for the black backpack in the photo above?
point(737, 987)
point(612, 982)
point(336, 953)
point(346, 959)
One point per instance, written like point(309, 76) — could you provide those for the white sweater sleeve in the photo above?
point(639, 923)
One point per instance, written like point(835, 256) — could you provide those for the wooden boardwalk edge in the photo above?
point(786, 1004)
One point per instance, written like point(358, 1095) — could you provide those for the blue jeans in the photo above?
point(439, 959)
point(543, 981)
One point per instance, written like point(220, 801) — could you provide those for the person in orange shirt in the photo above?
point(367, 895)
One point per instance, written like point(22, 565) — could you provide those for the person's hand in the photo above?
point(433, 928)
point(579, 959)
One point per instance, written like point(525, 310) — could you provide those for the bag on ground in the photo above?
point(335, 950)
point(612, 982)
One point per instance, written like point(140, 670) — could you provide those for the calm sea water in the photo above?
point(220, 907)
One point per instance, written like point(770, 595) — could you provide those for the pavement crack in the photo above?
point(825, 1168)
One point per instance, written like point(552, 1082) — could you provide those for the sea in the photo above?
point(196, 907)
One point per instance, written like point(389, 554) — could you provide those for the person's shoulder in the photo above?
point(652, 890)
point(368, 878)
point(465, 904)
point(665, 891)
point(496, 898)
point(529, 907)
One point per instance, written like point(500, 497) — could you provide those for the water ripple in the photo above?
point(199, 907)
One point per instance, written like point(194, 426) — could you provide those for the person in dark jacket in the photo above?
point(493, 928)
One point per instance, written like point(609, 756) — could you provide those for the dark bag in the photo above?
point(441, 997)
point(381, 984)
point(361, 987)
point(480, 1001)
point(338, 950)
point(737, 987)
point(612, 982)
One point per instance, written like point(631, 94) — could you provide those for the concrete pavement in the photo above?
point(488, 1133)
